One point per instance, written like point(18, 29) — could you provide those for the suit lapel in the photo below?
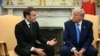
point(83, 26)
point(74, 31)
point(26, 28)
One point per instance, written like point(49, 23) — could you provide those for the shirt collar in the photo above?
point(80, 23)
point(27, 22)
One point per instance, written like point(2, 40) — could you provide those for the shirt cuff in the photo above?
point(73, 48)
point(32, 48)
point(83, 49)
point(48, 42)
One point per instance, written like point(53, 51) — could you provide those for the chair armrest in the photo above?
point(98, 46)
point(5, 47)
point(2, 42)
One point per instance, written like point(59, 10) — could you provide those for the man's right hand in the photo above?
point(75, 52)
point(39, 51)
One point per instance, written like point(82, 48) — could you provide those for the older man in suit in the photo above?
point(27, 33)
point(78, 36)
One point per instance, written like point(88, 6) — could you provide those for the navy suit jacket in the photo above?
point(86, 36)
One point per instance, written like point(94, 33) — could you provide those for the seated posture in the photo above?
point(27, 33)
point(78, 36)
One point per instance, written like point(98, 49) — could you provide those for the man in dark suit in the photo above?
point(78, 36)
point(27, 33)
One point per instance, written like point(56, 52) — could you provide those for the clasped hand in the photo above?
point(78, 53)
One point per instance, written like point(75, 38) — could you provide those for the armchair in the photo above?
point(94, 19)
point(7, 37)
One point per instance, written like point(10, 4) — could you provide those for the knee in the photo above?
point(22, 51)
point(64, 50)
point(94, 51)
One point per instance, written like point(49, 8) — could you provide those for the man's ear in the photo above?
point(27, 16)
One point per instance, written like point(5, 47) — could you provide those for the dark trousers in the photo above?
point(65, 51)
point(49, 50)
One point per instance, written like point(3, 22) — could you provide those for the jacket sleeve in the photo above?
point(66, 37)
point(20, 37)
point(90, 37)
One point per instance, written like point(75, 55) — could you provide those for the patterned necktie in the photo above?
point(78, 32)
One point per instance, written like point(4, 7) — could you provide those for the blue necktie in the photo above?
point(78, 32)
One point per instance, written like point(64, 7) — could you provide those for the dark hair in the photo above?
point(28, 10)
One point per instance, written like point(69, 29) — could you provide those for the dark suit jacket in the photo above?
point(86, 36)
point(24, 37)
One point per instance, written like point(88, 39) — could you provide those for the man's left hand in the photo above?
point(81, 52)
point(52, 42)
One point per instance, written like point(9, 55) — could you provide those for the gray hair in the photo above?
point(80, 10)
